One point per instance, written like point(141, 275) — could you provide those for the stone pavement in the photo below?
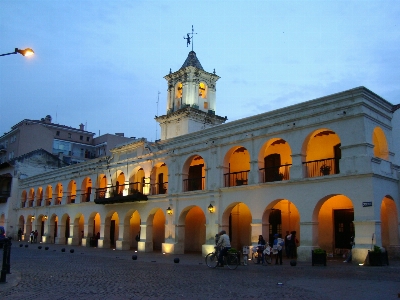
point(91, 273)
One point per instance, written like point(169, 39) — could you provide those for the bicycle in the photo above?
point(230, 259)
point(267, 255)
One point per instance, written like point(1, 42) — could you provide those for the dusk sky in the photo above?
point(102, 63)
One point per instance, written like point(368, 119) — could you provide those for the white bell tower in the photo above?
point(191, 100)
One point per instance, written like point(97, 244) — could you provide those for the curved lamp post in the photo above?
point(25, 52)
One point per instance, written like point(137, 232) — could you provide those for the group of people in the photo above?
point(32, 236)
point(289, 243)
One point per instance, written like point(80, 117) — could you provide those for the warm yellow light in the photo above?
point(169, 210)
point(26, 52)
point(211, 208)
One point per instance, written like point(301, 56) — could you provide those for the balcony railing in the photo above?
point(159, 188)
point(236, 178)
point(321, 167)
point(85, 197)
point(71, 198)
point(277, 173)
point(48, 201)
point(193, 184)
point(57, 200)
point(39, 202)
point(115, 194)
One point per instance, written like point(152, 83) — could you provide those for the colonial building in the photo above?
point(324, 168)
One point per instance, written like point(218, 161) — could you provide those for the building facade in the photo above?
point(73, 145)
point(324, 168)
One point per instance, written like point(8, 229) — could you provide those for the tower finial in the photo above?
point(189, 37)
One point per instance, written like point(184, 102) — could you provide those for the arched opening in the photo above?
point(101, 186)
point(158, 229)
point(281, 217)
point(137, 182)
point(380, 144)
point(236, 220)
point(334, 215)
point(24, 197)
point(389, 222)
point(31, 197)
point(275, 160)
point(112, 234)
point(236, 166)
point(322, 153)
point(178, 96)
point(159, 179)
point(192, 227)
point(21, 228)
point(86, 189)
point(71, 192)
point(39, 196)
point(58, 194)
point(48, 196)
point(93, 233)
point(78, 230)
point(194, 174)
point(53, 229)
point(132, 228)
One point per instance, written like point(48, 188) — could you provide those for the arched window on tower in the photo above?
point(178, 95)
point(203, 90)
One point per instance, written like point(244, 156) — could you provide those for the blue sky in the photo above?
point(102, 63)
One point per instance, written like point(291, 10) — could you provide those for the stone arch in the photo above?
point(321, 151)
point(58, 194)
point(21, 225)
point(137, 180)
point(191, 230)
point(86, 189)
point(39, 196)
point(132, 222)
point(111, 229)
point(64, 230)
point(275, 160)
point(31, 197)
point(236, 221)
point(24, 197)
point(71, 192)
point(194, 173)
point(53, 228)
point(333, 216)
point(379, 141)
point(94, 225)
point(280, 216)
point(77, 229)
point(389, 224)
point(159, 179)
point(156, 220)
point(236, 166)
point(48, 195)
point(101, 185)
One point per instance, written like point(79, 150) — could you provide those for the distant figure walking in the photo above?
point(20, 234)
point(32, 236)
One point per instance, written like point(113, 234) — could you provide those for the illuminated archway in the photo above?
point(132, 228)
point(59, 194)
point(39, 196)
point(322, 153)
point(334, 215)
point(389, 222)
point(86, 189)
point(236, 221)
point(236, 166)
point(71, 192)
point(192, 228)
point(159, 179)
point(194, 172)
point(112, 224)
point(24, 197)
point(380, 144)
point(275, 160)
point(48, 195)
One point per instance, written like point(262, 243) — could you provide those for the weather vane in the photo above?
point(188, 38)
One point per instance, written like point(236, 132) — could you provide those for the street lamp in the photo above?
point(26, 52)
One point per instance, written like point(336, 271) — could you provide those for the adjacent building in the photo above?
point(326, 168)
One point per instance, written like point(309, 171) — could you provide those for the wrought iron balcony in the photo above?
point(236, 178)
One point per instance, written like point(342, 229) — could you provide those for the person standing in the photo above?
point(287, 247)
point(225, 244)
point(31, 236)
point(260, 249)
point(278, 246)
point(19, 234)
point(35, 236)
point(350, 255)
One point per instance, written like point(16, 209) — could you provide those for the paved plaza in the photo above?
point(91, 273)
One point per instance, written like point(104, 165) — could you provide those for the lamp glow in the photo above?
point(169, 210)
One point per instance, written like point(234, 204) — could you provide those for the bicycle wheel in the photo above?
point(232, 261)
point(211, 260)
point(268, 258)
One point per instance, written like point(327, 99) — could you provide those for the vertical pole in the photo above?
point(4, 268)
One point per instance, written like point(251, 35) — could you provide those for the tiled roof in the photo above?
point(395, 107)
point(192, 60)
